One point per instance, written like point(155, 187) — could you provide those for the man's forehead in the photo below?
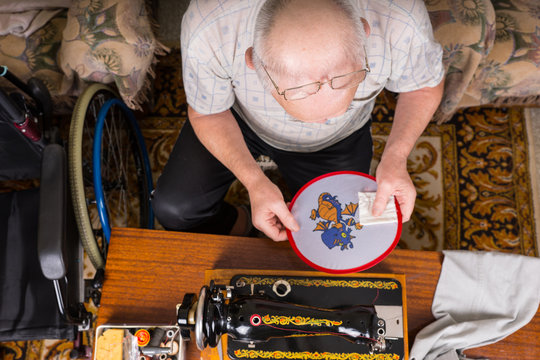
point(312, 70)
point(297, 57)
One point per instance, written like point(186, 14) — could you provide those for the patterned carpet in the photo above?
point(471, 174)
point(473, 185)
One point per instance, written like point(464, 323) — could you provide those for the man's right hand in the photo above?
point(222, 136)
point(269, 213)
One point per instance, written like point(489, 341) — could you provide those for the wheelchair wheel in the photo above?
point(114, 190)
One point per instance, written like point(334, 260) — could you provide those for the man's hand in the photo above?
point(413, 112)
point(222, 136)
point(393, 179)
point(269, 213)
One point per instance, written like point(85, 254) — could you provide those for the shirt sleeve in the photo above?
point(207, 83)
point(416, 56)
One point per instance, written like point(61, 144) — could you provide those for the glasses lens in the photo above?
point(301, 92)
point(349, 80)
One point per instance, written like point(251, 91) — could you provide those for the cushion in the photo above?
point(512, 66)
point(465, 30)
point(109, 41)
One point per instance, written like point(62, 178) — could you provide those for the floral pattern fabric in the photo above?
point(106, 41)
point(491, 52)
point(109, 41)
point(512, 66)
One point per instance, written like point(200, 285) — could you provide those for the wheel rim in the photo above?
point(124, 169)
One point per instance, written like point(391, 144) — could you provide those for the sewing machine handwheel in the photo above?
point(214, 322)
point(200, 337)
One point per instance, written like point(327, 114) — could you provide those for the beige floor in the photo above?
point(533, 128)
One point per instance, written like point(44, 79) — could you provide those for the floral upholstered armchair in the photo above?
point(107, 41)
point(491, 52)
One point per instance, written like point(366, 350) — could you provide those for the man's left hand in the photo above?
point(393, 179)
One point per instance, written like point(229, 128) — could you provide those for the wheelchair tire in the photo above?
point(122, 197)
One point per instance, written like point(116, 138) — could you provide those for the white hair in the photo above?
point(354, 48)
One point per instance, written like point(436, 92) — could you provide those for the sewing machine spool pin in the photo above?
point(281, 288)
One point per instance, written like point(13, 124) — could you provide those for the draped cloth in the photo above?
point(23, 18)
point(481, 298)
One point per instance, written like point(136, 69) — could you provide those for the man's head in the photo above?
point(298, 42)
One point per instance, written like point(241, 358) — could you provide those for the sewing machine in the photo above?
point(290, 317)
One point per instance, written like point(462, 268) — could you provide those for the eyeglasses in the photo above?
point(340, 82)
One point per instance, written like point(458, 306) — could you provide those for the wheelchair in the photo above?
point(100, 178)
point(41, 275)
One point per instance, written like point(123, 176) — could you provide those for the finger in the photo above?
point(282, 236)
point(282, 231)
point(275, 231)
point(271, 230)
point(406, 204)
point(286, 218)
point(381, 200)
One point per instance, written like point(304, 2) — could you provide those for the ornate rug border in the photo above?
point(447, 133)
point(534, 164)
point(522, 183)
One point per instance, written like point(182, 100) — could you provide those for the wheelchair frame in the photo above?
point(34, 122)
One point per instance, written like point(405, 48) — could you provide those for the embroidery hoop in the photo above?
point(371, 243)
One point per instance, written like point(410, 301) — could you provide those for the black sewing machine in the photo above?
point(294, 317)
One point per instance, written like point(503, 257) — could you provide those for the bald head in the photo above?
point(294, 37)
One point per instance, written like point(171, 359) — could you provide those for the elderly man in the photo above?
point(295, 80)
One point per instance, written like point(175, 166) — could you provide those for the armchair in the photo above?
point(491, 52)
point(105, 41)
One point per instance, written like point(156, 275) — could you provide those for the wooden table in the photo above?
point(148, 272)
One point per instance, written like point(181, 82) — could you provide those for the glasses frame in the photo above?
point(319, 83)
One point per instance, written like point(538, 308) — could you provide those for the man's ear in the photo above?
point(367, 29)
point(249, 58)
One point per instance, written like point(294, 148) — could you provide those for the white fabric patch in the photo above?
point(365, 204)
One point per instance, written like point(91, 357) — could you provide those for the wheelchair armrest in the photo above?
point(52, 212)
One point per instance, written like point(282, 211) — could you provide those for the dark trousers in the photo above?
point(189, 193)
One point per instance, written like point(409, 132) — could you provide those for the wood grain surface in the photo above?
point(149, 271)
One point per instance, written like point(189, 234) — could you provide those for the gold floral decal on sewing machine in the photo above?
point(305, 355)
point(371, 284)
point(298, 321)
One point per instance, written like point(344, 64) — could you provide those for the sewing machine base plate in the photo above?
point(317, 290)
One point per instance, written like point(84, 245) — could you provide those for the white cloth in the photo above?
point(402, 54)
point(481, 298)
point(365, 206)
point(14, 6)
point(24, 24)
point(23, 17)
